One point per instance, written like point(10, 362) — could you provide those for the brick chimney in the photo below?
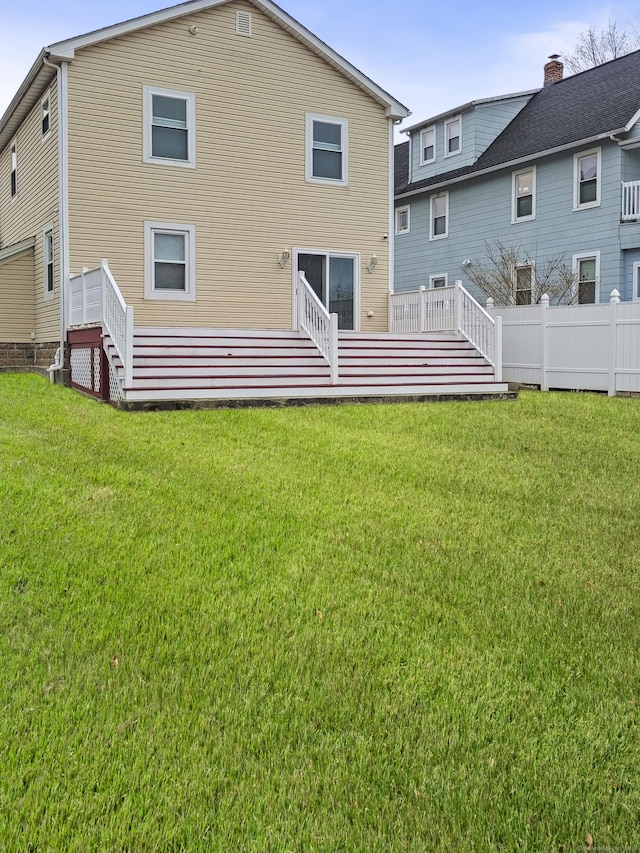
point(553, 70)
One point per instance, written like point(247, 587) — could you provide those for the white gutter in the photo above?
point(63, 203)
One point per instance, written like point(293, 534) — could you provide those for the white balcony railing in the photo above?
point(320, 326)
point(448, 309)
point(630, 201)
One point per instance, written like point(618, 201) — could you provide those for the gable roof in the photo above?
point(578, 110)
point(40, 75)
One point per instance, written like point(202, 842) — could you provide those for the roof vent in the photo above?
point(243, 23)
point(553, 70)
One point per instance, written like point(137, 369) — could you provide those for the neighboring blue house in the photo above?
point(553, 173)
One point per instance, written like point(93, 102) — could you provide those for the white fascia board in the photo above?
point(509, 164)
point(631, 122)
point(66, 49)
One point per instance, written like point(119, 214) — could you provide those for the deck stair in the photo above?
point(217, 365)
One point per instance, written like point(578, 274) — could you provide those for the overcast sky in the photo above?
point(430, 56)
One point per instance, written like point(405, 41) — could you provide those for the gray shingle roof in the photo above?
point(588, 105)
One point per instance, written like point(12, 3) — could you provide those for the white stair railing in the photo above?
point(320, 326)
point(94, 297)
point(448, 309)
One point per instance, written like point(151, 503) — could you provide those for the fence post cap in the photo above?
point(544, 299)
point(615, 295)
point(490, 303)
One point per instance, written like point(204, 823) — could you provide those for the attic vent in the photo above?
point(243, 23)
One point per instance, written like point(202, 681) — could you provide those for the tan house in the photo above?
point(236, 173)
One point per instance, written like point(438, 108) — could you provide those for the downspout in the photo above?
point(63, 204)
point(392, 226)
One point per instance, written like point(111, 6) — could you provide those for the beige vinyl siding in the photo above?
point(247, 197)
point(17, 303)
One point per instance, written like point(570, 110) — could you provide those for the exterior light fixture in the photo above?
point(283, 257)
point(372, 263)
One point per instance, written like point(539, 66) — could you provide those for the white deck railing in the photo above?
point(448, 309)
point(94, 297)
point(320, 326)
point(630, 200)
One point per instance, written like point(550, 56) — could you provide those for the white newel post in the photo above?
point(458, 306)
point(613, 341)
point(128, 348)
point(544, 305)
point(498, 348)
point(333, 349)
point(422, 309)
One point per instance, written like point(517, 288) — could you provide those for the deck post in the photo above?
point(422, 309)
point(498, 348)
point(333, 348)
point(128, 348)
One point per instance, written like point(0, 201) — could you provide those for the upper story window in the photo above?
point(403, 220)
point(586, 191)
point(45, 106)
point(636, 280)
point(327, 149)
point(439, 216)
point(523, 283)
point(524, 195)
point(14, 170)
point(169, 261)
point(427, 145)
point(169, 127)
point(452, 136)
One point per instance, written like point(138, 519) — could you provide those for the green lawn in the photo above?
point(356, 628)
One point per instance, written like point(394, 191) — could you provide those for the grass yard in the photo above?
point(350, 628)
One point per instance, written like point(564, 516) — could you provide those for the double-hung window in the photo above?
point(427, 145)
point(439, 216)
point(452, 136)
point(586, 190)
point(45, 118)
point(169, 127)
point(169, 261)
point(327, 149)
point(523, 285)
point(14, 170)
point(403, 220)
point(587, 271)
point(524, 196)
point(48, 258)
point(636, 281)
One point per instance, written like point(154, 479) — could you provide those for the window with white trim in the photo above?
point(523, 284)
point(524, 195)
point(439, 225)
point(586, 190)
point(169, 261)
point(636, 281)
point(403, 220)
point(427, 145)
point(453, 136)
point(587, 270)
point(45, 121)
point(169, 127)
point(327, 149)
point(14, 170)
point(439, 280)
point(48, 259)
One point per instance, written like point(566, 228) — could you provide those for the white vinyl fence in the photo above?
point(572, 347)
